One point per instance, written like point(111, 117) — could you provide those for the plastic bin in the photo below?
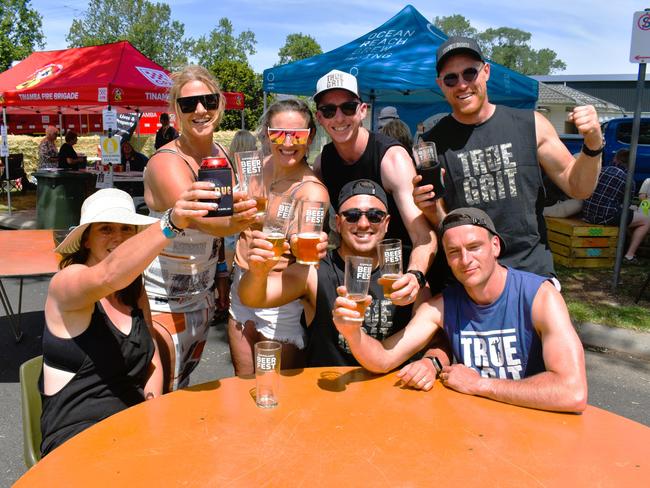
point(60, 195)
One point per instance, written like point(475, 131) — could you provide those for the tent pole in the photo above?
point(243, 121)
point(4, 122)
point(60, 127)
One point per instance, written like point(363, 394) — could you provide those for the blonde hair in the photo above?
point(190, 73)
point(243, 141)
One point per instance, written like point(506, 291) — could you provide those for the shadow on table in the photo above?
point(336, 381)
point(12, 353)
point(210, 385)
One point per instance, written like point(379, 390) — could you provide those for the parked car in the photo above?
point(617, 134)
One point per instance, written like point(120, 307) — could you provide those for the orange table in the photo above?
point(345, 427)
point(24, 253)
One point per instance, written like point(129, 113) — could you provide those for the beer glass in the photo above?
point(311, 216)
point(267, 373)
point(390, 263)
point(249, 165)
point(278, 217)
point(357, 280)
point(428, 166)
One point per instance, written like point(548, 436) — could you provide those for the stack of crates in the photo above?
point(578, 244)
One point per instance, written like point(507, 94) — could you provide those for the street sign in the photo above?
point(640, 47)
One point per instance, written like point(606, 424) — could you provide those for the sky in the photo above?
point(590, 36)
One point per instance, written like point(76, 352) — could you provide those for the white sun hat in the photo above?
point(106, 205)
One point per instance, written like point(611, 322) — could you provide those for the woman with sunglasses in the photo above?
point(180, 281)
point(289, 127)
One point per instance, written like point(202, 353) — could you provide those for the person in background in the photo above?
point(68, 158)
point(136, 160)
point(400, 131)
point(48, 154)
point(166, 133)
point(418, 132)
point(509, 330)
point(98, 354)
point(493, 157)
point(180, 281)
point(605, 206)
point(386, 115)
point(290, 128)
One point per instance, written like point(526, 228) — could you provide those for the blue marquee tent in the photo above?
point(395, 64)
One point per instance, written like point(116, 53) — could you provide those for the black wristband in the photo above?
point(592, 153)
point(419, 275)
point(173, 226)
point(436, 364)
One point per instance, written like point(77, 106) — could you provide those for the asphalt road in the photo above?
point(617, 382)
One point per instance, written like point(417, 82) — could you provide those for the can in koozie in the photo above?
point(217, 170)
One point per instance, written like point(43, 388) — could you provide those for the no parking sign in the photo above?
point(640, 47)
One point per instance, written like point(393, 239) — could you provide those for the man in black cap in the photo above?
point(362, 221)
point(492, 157)
point(509, 330)
point(356, 153)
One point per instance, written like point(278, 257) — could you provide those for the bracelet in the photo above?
point(592, 153)
point(171, 223)
point(169, 230)
point(222, 267)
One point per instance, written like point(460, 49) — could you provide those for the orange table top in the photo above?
point(346, 427)
point(27, 253)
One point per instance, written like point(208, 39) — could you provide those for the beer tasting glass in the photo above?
point(267, 373)
point(311, 216)
point(428, 166)
point(390, 263)
point(278, 217)
point(251, 174)
point(357, 281)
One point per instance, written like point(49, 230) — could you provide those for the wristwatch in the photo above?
point(419, 275)
point(169, 230)
point(592, 153)
point(436, 364)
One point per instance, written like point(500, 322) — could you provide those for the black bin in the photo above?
point(60, 195)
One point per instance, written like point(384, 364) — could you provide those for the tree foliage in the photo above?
point(221, 44)
point(21, 31)
point(238, 76)
point(507, 46)
point(298, 46)
point(146, 25)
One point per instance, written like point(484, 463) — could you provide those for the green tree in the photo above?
point(146, 25)
point(297, 47)
point(455, 25)
point(221, 44)
point(236, 76)
point(505, 45)
point(21, 31)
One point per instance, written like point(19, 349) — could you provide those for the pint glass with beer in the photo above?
point(249, 163)
point(390, 263)
point(357, 281)
point(311, 216)
point(277, 220)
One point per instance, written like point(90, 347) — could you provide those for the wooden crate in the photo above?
point(578, 244)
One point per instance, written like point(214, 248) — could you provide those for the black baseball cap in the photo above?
point(457, 45)
point(470, 216)
point(362, 187)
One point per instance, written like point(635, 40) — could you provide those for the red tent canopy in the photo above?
point(87, 79)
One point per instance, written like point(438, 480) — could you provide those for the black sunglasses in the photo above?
point(188, 104)
point(329, 110)
point(468, 74)
point(374, 215)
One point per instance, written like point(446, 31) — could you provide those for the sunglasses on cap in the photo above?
point(468, 74)
point(188, 104)
point(298, 136)
point(329, 110)
point(374, 215)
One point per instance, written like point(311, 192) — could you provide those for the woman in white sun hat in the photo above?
point(98, 353)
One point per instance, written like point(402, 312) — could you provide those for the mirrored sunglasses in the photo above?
point(298, 136)
point(188, 104)
point(469, 75)
point(348, 108)
point(374, 215)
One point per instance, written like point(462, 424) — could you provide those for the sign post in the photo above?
point(639, 53)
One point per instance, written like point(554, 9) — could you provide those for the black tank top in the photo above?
point(336, 173)
point(494, 166)
point(325, 346)
point(110, 378)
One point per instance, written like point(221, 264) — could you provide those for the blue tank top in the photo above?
point(497, 340)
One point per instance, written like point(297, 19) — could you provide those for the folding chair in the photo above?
point(31, 409)
point(16, 173)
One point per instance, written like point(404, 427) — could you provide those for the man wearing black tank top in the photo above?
point(356, 153)
point(493, 158)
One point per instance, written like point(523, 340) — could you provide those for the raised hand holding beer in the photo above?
point(250, 167)
point(311, 216)
point(390, 264)
point(428, 167)
point(277, 220)
point(357, 281)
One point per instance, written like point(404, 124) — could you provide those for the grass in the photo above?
point(589, 296)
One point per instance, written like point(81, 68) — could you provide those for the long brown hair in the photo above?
point(128, 296)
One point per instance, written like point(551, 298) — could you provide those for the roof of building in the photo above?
point(604, 77)
point(561, 94)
